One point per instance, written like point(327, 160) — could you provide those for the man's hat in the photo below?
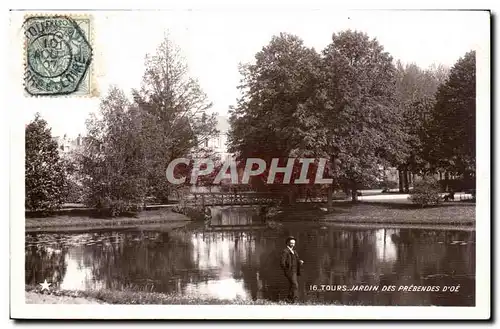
point(290, 238)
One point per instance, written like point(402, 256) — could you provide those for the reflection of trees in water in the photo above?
point(350, 257)
point(141, 261)
point(223, 252)
point(168, 262)
point(434, 252)
point(44, 262)
point(432, 258)
point(251, 269)
point(331, 257)
point(230, 255)
point(234, 216)
point(271, 280)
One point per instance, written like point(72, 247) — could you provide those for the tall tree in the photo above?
point(45, 177)
point(361, 125)
point(452, 139)
point(414, 83)
point(271, 119)
point(175, 115)
point(415, 93)
point(113, 159)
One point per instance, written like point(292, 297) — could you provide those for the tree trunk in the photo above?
point(329, 197)
point(405, 181)
point(291, 196)
point(446, 180)
point(354, 192)
point(406, 174)
point(400, 180)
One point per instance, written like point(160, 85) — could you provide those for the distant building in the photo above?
point(66, 145)
point(219, 143)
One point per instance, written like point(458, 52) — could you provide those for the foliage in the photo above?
point(337, 105)
point(113, 159)
point(452, 136)
point(270, 118)
point(174, 114)
point(457, 185)
point(387, 185)
point(45, 177)
point(426, 192)
point(414, 84)
point(131, 143)
point(74, 193)
point(415, 95)
point(360, 127)
point(194, 213)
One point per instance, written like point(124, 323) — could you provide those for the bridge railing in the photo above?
point(222, 198)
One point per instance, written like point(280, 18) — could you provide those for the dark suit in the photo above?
point(290, 263)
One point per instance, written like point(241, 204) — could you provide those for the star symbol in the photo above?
point(45, 285)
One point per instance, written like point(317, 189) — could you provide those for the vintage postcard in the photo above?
point(250, 164)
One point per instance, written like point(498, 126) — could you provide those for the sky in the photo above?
point(215, 42)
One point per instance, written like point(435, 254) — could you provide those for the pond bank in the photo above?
point(40, 298)
point(163, 219)
point(366, 213)
point(35, 296)
point(362, 213)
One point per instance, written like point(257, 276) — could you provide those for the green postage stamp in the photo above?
point(58, 55)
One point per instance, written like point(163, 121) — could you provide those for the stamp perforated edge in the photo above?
point(93, 86)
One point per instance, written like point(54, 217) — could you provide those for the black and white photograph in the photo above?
point(234, 164)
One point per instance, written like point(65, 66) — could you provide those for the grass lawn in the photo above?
point(150, 219)
point(391, 213)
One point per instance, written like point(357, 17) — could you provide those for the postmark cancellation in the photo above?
point(58, 55)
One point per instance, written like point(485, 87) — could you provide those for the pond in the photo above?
point(237, 256)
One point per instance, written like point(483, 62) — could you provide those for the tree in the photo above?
point(415, 93)
point(452, 136)
point(271, 119)
point(113, 160)
point(360, 123)
point(339, 105)
point(414, 83)
point(45, 176)
point(174, 113)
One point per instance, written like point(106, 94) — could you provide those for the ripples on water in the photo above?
point(226, 261)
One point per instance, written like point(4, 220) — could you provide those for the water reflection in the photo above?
point(78, 276)
point(223, 288)
point(243, 262)
point(386, 248)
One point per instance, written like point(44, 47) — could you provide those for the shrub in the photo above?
point(115, 208)
point(196, 214)
point(425, 192)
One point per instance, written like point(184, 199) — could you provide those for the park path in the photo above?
point(404, 197)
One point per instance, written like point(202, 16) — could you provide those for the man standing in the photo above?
point(291, 263)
